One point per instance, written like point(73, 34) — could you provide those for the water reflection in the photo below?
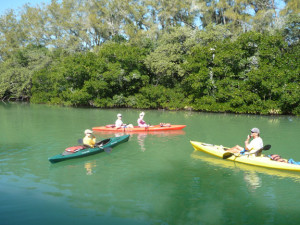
point(119, 134)
point(141, 136)
point(252, 179)
point(89, 167)
point(274, 120)
point(141, 140)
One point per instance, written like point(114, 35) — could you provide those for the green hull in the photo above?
point(112, 142)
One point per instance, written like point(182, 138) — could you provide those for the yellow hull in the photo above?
point(211, 160)
point(262, 161)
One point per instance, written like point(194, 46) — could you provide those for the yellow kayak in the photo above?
point(214, 161)
point(263, 161)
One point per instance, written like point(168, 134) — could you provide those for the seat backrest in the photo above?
point(258, 153)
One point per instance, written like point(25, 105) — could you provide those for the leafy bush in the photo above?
point(160, 97)
point(255, 73)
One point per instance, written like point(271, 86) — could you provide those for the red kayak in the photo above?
point(139, 129)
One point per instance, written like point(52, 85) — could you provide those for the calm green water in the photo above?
point(152, 179)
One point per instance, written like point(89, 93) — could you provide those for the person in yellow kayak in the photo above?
point(252, 147)
point(119, 123)
point(89, 139)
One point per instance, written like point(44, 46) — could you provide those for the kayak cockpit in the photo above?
point(74, 149)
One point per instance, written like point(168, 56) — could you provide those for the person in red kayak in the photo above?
point(141, 122)
point(119, 123)
point(252, 147)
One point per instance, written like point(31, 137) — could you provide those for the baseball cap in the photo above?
point(255, 130)
point(87, 131)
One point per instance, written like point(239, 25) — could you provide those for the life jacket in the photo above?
point(278, 158)
point(74, 148)
point(165, 124)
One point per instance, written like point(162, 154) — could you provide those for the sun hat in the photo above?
point(142, 114)
point(119, 115)
point(255, 130)
point(87, 131)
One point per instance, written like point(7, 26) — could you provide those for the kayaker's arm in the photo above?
point(252, 152)
point(247, 142)
point(266, 147)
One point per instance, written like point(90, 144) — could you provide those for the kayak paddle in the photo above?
point(226, 155)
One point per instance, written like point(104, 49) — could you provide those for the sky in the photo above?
point(17, 4)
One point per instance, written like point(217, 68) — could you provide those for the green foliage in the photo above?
point(102, 103)
point(16, 71)
point(113, 73)
point(254, 74)
point(165, 61)
point(291, 30)
point(213, 33)
point(152, 54)
point(153, 97)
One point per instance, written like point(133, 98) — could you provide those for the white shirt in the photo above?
point(255, 144)
point(118, 123)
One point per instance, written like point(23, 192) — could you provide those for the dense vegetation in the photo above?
point(217, 56)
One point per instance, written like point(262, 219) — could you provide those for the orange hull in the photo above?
point(140, 129)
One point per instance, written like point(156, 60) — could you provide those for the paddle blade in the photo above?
point(80, 141)
point(227, 155)
point(266, 147)
point(108, 150)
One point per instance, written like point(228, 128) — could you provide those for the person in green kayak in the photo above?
point(89, 139)
point(252, 147)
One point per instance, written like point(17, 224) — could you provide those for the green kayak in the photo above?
point(81, 151)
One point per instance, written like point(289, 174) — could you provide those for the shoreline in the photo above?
point(183, 109)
